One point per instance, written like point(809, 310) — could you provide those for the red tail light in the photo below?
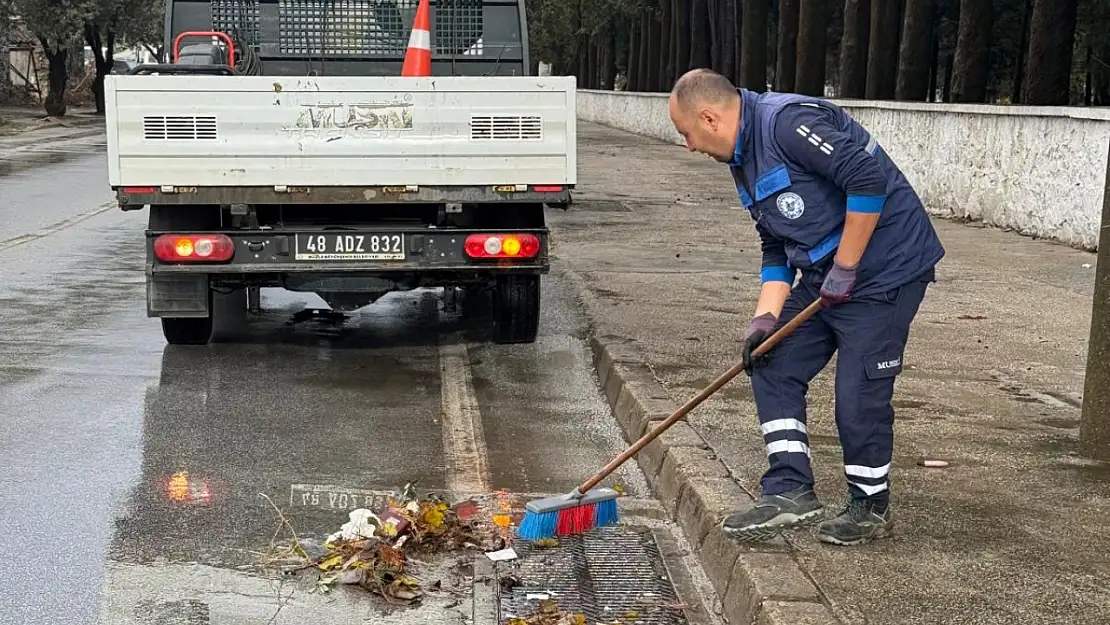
point(547, 188)
point(202, 248)
point(502, 245)
point(139, 190)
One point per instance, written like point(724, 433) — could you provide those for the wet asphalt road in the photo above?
point(131, 472)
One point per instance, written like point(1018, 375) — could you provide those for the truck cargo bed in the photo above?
point(232, 131)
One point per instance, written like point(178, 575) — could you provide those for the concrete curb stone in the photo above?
point(758, 584)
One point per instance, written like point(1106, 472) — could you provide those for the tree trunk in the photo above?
point(682, 42)
point(934, 69)
point(58, 75)
point(787, 54)
point(5, 56)
point(1051, 37)
point(753, 46)
point(633, 83)
point(738, 29)
point(728, 37)
point(882, 50)
point(591, 62)
point(666, 34)
point(1023, 53)
point(655, 53)
point(853, 48)
point(913, 61)
point(949, 64)
point(645, 70)
point(711, 7)
point(971, 67)
point(700, 34)
point(610, 59)
point(812, 26)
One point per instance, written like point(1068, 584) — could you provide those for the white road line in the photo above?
point(56, 227)
point(464, 443)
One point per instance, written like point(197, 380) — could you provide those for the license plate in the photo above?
point(350, 246)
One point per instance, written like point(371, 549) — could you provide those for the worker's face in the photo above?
point(706, 129)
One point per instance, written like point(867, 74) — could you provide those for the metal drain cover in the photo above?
point(613, 574)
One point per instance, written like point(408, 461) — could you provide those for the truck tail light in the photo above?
point(203, 248)
point(550, 188)
point(502, 245)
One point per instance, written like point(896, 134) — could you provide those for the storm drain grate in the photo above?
point(606, 575)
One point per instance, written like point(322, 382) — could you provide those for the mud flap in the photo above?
point(177, 296)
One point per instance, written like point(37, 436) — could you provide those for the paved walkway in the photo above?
point(1014, 531)
point(18, 124)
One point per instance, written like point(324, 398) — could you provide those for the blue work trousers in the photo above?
point(869, 337)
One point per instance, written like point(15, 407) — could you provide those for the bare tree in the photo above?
point(915, 55)
point(1051, 37)
point(853, 48)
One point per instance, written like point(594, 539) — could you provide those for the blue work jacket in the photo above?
point(800, 165)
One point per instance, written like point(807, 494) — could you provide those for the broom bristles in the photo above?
point(568, 521)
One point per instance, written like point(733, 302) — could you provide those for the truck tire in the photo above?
point(516, 309)
point(187, 330)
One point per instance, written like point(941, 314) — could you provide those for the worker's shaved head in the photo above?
point(699, 87)
point(705, 109)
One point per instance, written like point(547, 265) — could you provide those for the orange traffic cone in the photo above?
point(418, 58)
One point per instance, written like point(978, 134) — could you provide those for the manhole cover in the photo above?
point(613, 574)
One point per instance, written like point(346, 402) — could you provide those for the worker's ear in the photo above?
point(710, 118)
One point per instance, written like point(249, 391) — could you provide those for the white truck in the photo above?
point(348, 186)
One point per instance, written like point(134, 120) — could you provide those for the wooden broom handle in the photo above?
point(708, 391)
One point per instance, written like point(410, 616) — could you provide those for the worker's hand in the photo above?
point(838, 284)
point(759, 329)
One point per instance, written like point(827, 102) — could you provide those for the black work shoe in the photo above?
point(861, 521)
point(773, 514)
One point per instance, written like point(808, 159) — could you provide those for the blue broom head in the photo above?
point(606, 513)
point(541, 517)
point(538, 525)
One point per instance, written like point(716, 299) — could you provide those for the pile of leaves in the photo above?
point(376, 556)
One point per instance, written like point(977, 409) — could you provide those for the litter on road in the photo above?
point(374, 549)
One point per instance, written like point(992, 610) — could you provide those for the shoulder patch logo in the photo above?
point(790, 204)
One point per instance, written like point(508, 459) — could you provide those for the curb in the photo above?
point(758, 584)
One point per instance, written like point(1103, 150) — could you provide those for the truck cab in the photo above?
point(279, 146)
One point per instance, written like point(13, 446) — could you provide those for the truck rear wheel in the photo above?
point(516, 309)
point(187, 330)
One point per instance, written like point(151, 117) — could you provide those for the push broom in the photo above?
point(587, 507)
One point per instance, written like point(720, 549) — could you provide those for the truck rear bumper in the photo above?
point(350, 251)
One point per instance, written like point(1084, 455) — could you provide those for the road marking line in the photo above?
point(56, 227)
point(464, 443)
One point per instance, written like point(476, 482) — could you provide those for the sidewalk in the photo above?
point(21, 126)
point(29, 138)
point(17, 119)
point(1015, 530)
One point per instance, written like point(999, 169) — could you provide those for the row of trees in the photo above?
point(1036, 52)
point(62, 26)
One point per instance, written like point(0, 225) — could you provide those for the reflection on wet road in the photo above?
point(131, 472)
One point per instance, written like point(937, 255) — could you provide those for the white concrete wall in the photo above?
point(1037, 170)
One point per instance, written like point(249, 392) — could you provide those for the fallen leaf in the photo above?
point(434, 517)
point(331, 562)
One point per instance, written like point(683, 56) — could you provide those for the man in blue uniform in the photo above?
point(828, 204)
